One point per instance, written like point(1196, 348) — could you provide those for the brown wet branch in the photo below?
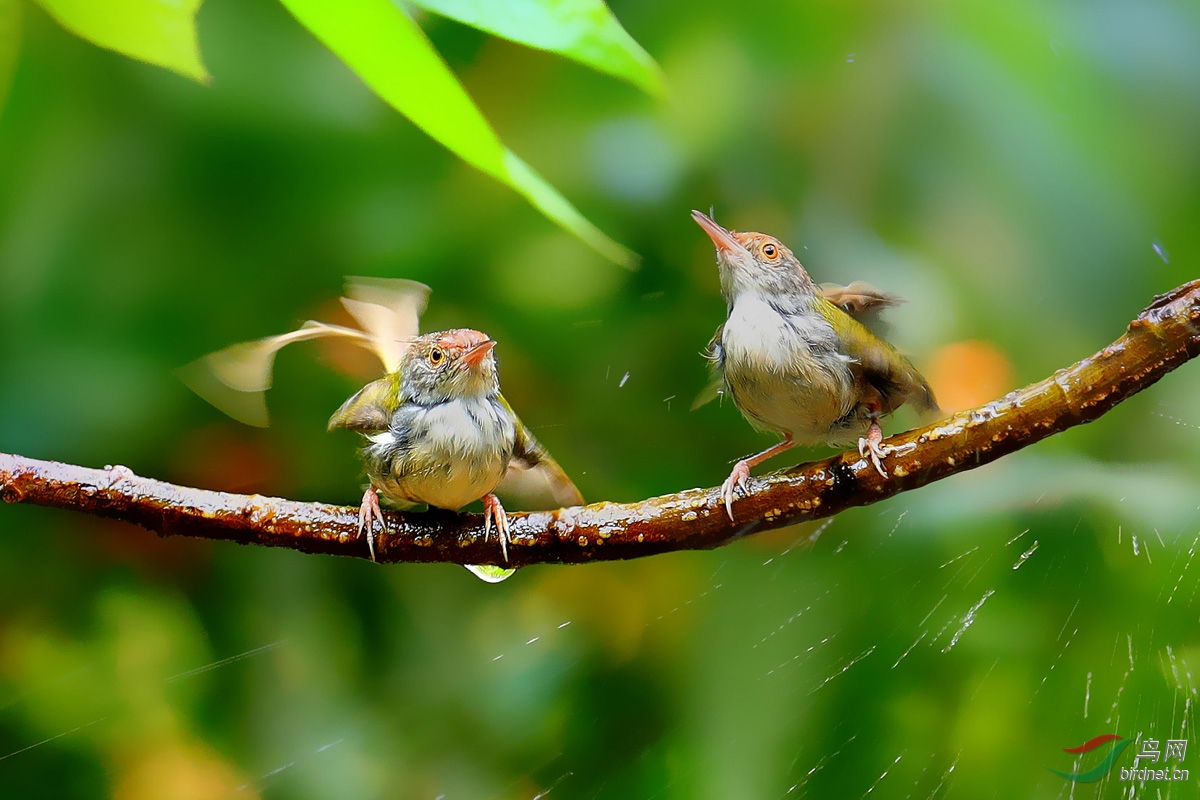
point(1164, 336)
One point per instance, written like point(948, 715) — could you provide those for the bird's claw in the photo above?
point(737, 480)
point(493, 510)
point(368, 512)
point(871, 447)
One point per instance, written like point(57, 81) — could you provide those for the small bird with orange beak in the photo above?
point(440, 433)
point(797, 364)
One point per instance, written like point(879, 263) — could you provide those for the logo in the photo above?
point(1149, 752)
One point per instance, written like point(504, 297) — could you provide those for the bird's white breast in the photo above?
point(461, 449)
point(784, 371)
point(756, 331)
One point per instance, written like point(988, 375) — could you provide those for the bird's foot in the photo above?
point(870, 446)
point(737, 480)
point(493, 511)
point(368, 512)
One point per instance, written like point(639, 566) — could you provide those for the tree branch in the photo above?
point(1164, 336)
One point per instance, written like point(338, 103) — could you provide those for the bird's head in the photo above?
point(755, 262)
point(449, 365)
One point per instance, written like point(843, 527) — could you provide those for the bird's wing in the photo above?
point(858, 298)
point(885, 368)
point(234, 379)
point(389, 310)
point(922, 398)
point(534, 476)
point(367, 411)
point(716, 355)
point(864, 302)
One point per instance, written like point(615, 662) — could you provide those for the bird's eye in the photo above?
point(435, 357)
point(769, 251)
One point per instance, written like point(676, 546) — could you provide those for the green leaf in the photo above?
point(161, 32)
point(391, 54)
point(10, 43)
point(583, 30)
point(545, 199)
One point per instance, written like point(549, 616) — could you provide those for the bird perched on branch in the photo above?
point(795, 360)
point(438, 431)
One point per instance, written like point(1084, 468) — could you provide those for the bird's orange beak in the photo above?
point(723, 239)
point(475, 356)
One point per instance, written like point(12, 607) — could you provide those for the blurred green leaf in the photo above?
point(10, 42)
point(161, 32)
point(392, 56)
point(546, 199)
point(583, 30)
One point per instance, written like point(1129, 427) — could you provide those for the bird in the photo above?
point(794, 359)
point(437, 430)
point(440, 433)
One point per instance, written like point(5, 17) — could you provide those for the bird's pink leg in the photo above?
point(492, 510)
point(871, 445)
point(368, 512)
point(741, 472)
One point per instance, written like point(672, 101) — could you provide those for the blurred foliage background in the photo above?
point(1025, 173)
